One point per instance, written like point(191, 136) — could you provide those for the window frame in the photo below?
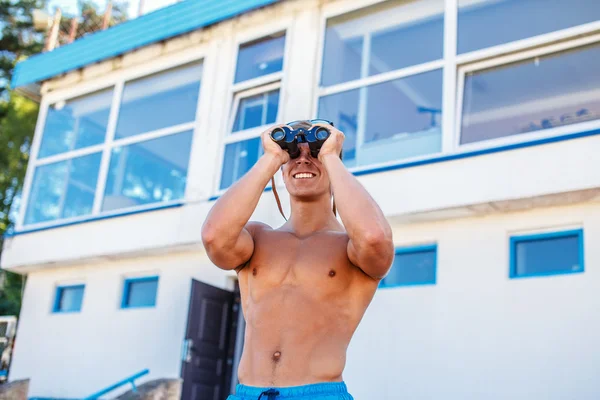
point(532, 237)
point(127, 289)
point(413, 250)
point(251, 87)
point(58, 292)
point(115, 81)
point(508, 59)
point(452, 86)
point(335, 10)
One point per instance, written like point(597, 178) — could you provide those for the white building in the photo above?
point(474, 123)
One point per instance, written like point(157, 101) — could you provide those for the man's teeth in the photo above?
point(303, 175)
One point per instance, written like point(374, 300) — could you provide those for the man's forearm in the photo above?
point(232, 211)
point(360, 214)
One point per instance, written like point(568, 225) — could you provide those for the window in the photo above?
point(256, 89)
point(76, 124)
point(413, 266)
point(484, 23)
point(68, 298)
point(381, 80)
point(145, 156)
point(63, 189)
point(531, 95)
point(140, 292)
point(546, 254)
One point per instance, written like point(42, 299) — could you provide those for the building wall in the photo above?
point(76, 354)
point(477, 334)
point(474, 334)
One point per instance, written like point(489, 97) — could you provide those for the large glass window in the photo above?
point(260, 58)
point(147, 158)
point(255, 104)
point(159, 101)
point(63, 189)
point(75, 124)
point(546, 254)
point(535, 94)
point(386, 37)
point(399, 117)
point(488, 23)
point(148, 172)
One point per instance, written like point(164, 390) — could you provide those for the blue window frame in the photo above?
point(140, 292)
point(546, 254)
point(413, 266)
point(68, 298)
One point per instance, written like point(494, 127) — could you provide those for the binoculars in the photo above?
point(288, 139)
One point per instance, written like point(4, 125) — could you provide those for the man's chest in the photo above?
point(317, 265)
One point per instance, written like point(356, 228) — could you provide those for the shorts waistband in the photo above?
point(294, 391)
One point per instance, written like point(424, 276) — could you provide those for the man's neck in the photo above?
point(311, 216)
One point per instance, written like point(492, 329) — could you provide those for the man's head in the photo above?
point(305, 177)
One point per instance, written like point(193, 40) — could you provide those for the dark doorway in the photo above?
point(210, 343)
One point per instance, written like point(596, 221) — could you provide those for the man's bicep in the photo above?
point(373, 261)
point(236, 255)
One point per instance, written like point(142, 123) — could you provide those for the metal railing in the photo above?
point(122, 382)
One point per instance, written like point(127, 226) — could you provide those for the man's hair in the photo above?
point(306, 124)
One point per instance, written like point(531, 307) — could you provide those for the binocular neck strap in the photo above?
point(279, 201)
point(277, 197)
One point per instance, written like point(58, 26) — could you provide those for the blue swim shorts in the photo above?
point(316, 391)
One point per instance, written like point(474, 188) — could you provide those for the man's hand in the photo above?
point(270, 147)
point(333, 144)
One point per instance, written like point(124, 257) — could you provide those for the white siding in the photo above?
point(76, 354)
point(477, 334)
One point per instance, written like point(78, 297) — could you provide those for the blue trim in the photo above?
point(413, 250)
point(476, 153)
point(177, 19)
point(95, 218)
point(127, 289)
point(58, 296)
point(122, 382)
point(514, 240)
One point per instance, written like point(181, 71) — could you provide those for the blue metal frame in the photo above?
point(412, 250)
point(122, 382)
point(58, 295)
point(127, 288)
point(514, 240)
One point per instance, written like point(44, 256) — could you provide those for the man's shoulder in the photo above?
point(255, 227)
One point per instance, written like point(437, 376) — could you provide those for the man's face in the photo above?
point(304, 176)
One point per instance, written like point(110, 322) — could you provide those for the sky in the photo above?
point(70, 6)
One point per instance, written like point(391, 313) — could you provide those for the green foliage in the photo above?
point(18, 116)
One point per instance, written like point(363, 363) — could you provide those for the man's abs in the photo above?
point(291, 340)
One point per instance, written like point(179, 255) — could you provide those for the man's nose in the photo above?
point(304, 157)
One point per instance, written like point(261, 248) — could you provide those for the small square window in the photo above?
point(546, 254)
point(68, 298)
point(257, 110)
point(413, 266)
point(140, 292)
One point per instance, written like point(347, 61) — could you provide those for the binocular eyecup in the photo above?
point(288, 139)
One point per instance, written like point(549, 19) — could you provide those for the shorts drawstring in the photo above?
point(271, 394)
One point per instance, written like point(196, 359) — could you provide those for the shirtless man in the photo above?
point(306, 285)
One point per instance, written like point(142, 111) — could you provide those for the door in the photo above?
point(208, 348)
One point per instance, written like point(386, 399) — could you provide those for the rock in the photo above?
point(158, 389)
point(16, 390)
